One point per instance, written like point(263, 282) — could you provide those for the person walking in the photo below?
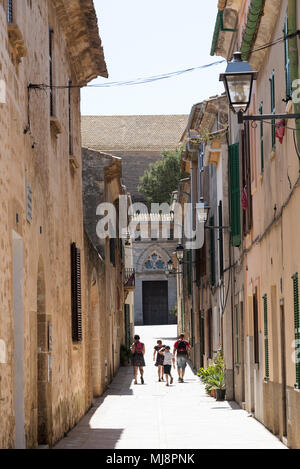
point(168, 360)
point(181, 348)
point(159, 362)
point(138, 361)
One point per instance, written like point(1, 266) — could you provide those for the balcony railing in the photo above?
point(129, 278)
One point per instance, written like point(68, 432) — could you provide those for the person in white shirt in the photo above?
point(168, 360)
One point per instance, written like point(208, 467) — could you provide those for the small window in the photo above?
point(10, 11)
point(70, 117)
point(76, 294)
point(52, 108)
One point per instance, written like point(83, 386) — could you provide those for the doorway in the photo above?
point(283, 371)
point(19, 407)
point(44, 345)
point(155, 303)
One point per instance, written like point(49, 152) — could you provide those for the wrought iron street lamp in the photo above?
point(180, 253)
point(238, 81)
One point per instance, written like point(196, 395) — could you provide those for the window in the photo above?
point(192, 328)
point(212, 251)
point(112, 251)
point(255, 328)
point(189, 270)
point(246, 185)
point(221, 252)
point(288, 78)
point(70, 117)
point(237, 335)
point(10, 11)
point(297, 328)
point(272, 92)
point(262, 163)
point(235, 194)
point(266, 338)
point(76, 294)
point(52, 110)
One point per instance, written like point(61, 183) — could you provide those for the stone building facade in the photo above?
point(138, 140)
point(266, 300)
point(102, 176)
point(43, 369)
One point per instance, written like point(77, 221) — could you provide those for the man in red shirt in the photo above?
point(181, 348)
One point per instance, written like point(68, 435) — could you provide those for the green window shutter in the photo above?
point(287, 65)
point(189, 270)
point(192, 327)
point(235, 194)
point(297, 328)
point(237, 341)
point(262, 167)
point(272, 91)
point(212, 252)
point(266, 339)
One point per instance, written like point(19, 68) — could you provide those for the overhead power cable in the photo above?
point(137, 81)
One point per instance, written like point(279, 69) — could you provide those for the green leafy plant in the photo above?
point(162, 178)
point(213, 377)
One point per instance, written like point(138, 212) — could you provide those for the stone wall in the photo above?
point(35, 277)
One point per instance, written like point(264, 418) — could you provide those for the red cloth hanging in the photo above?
point(280, 130)
point(244, 199)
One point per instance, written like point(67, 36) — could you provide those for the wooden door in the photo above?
point(155, 303)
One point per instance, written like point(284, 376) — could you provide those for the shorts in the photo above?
point(181, 361)
point(167, 369)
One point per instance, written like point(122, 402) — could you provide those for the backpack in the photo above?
point(181, 347)
point(139, 347)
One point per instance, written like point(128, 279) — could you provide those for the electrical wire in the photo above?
point(137, 81)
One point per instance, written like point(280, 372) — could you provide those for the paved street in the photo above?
point(153, 416)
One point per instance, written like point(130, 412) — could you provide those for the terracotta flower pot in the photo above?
point(213, 393)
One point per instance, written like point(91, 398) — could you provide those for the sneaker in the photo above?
point(171, 382)
point(182, 380)
point(142, 380)
point(159, 380)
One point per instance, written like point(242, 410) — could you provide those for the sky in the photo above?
point(143, 38)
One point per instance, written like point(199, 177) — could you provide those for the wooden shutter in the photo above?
point(212, 252)
point(262, 162)
point(112, 251)
point(189, 270)
point(287, 65)
point(235, 194)
point(246, 167)
point(237, 335)
point(272, 91)
point(221, 251)
point(76, 293)
point(297, 328)
point(255, 328)
point(266, 339)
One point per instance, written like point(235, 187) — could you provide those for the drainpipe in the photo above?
point(293, 56)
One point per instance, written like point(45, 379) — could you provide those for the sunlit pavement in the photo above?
point(153, 416)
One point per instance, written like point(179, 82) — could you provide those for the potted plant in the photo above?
point(218, 383)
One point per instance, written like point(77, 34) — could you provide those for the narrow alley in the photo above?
point(146, 416)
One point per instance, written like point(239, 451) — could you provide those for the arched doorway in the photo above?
point(44, 345)
point(96, 369)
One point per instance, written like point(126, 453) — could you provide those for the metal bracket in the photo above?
point(262, 117)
